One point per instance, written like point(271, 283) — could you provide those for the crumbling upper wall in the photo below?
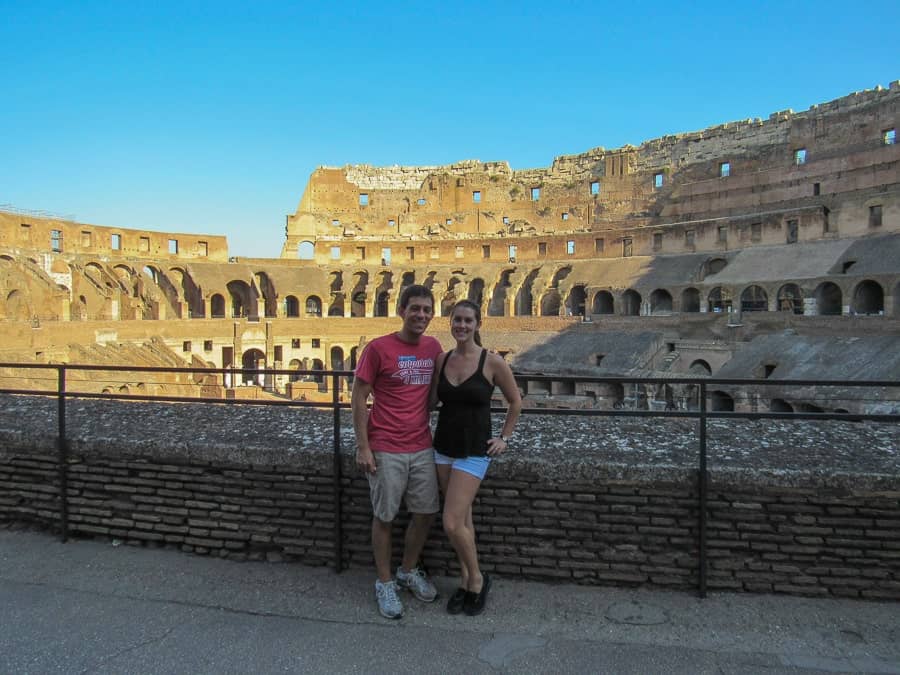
point(739, 169)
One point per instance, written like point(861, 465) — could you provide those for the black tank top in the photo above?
point(464, 420)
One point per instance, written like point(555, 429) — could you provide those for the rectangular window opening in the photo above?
point(360, 252)
point(316, 343)
point(755, 231)
point(460, 251)
point(173, 246)
point(186, 346)
point(335, 252)
point(889, 136)
point(506, 220)
point(689, 238)
point(476, 196)
point(386, 256)
point(202, 248)
point(363, 199)
point(599, 245)
point(421, 201)
point(875, 215)
point(658, 180)
point(725, 169)
point(542, 248)
point(512, 253)
point(792, 234)
point(433, 253)
point(410, 252)
point(564, 215)
point(657, 241)
point(86, 239)
point(279, 353)
point(723, 234)
point(144, 244)
point(295, 343)
point(800, 156)
point(56, 239)
point(817, 189)
point(595, 187)
point(485, 251)
point(570, 247)
point(535, 194)
point(207, 345)
point(626, 247)
point(115, 242)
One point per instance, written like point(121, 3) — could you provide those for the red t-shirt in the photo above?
point(400, 375)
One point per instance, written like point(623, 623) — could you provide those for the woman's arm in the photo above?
point(503, 378)
point(435, 376)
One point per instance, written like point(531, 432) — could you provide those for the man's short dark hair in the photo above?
point(415, 291)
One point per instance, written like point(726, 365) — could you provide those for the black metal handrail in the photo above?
point(702, 414)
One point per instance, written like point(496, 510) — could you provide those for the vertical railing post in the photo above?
point(62, 452)
point(701, 490)
point(338, 474)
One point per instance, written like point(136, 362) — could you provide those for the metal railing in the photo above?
point(701, 413)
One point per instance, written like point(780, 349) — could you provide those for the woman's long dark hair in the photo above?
point(475, 308)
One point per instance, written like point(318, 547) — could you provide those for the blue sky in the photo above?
point(208, 117)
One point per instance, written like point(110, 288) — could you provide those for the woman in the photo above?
point(464, 442)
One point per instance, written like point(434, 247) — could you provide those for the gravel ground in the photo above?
point(260, 435)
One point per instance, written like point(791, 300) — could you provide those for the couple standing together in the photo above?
point(407, 375)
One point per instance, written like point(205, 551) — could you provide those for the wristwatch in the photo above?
point(505, 439)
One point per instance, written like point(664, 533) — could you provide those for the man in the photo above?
point(394, 444)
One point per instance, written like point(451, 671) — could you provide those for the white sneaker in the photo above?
point(417, 583)
point(389, 604)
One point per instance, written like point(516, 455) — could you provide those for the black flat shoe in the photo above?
point(474, 603)
point(456, 602)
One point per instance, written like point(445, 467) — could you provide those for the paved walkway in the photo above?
point(92, 607)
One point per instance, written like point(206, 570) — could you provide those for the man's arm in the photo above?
point(359, 397)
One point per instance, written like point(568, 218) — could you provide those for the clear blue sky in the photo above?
point(209, 117)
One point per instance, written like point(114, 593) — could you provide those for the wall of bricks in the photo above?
point(805, 536)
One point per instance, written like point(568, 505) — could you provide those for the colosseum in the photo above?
point(759, 248)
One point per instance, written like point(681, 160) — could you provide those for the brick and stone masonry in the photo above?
point(584, 500)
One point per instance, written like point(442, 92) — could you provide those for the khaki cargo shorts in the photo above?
point(408, 476)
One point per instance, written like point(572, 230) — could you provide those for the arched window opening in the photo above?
point(780, 405)
point(358, 304)
point(790, 299)
point(313, 306)
point(719, 401)
point(754, 299)
point(631, 303)
point(217, 306)
point(603, 303)
point(550, 303)
point(577, 301)
point(381, 305)
point(868, 298)
point(660, 301)
point(690, 300)
point(829, 299)
point(337, 305)
point(306, 250)
point(700, 367)
point(291, 306)
point(497, 307)
point(295, 365)
point(252, 363)
point(719, 300)
point(476, 291)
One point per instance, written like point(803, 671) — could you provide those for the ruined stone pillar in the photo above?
point(810, 306)
point(207, 307)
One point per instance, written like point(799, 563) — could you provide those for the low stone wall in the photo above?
point(570, 518)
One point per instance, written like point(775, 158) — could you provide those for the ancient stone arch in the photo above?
point(790, 299)
point(266, 290)
point(476, 292)
point(550, 303)
point(217, 306)
point(720, 401)
point(576, 302)
point(660, 301)
point(291, 306)
point(524, 303)
point(603, 303)
point(631, 303)
point(17, 306)
point(719, 299)
point(700, 367)
point(868, 298)
point(306, 250)
point(337, 305)
point(690, 300)
point(754, 299)
point(313, 305)
point(829, 299)
point(710, 267)
point(242, 304)
point(497, 306)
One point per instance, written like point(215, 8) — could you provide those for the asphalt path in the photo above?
point(96, 607)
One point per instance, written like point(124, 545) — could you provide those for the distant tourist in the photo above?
point(464, 442)
point(394, 445)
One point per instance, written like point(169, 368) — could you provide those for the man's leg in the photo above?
point(381, 549)
point(416, 535)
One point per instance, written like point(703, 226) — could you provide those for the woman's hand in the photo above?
point(496, 446)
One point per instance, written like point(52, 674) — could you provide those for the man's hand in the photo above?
point(365, 460)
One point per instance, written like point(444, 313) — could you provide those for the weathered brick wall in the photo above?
point(614, 525)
